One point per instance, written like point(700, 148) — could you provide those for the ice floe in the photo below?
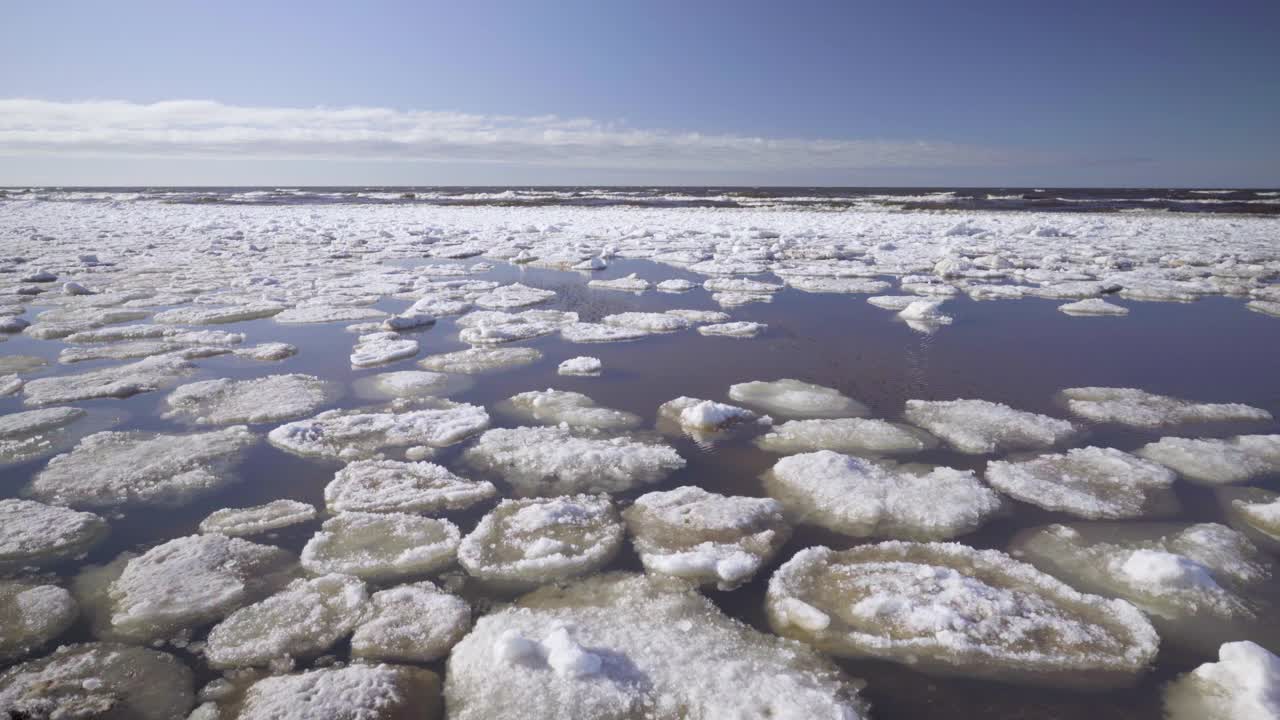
point(513, 296)
point(31, 616)
point(359, 434)
point(521, 544)
point(701, 417)
point(1130, 406)
point(1201, 584)
point(381, 546)
point(1093, 307)
point(554, 461)
point(950, 609)
point(647, 322)
point(978, 427)
point(581, 365)
point(409, 384)
point(415, 623)
point(707, 538)
point(856, 436)
point(33, 533)
point(301, 621)
point(122, 381)
point(555, 407)
point(586, 332)
point(99, 680)
point(1211, 461)
point(34, 433)
point(218, 314)
point(862, 498)
point(623, 645)
point(480, 360)
point(266, 399)
point(324, 313)
point(741, 329)
point(794, 398)
point(1243, 685)
point(259, 519)
point(381, 348)
point(630, 283)
point(402, 487)
point(109, 469)
point(1091, 482)
point(1254, 512)
point(356, 692)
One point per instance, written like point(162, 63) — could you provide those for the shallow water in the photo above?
point(1016, 352)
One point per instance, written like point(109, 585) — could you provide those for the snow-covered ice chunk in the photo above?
point(266, 399)
point(1243, 685)
point(698, 317)
point(179, 586)
point(647, 322)
point(33, 533)
point(1266, 307)
point(794, 398)
point(408, 321)
point(1211, 461)
point(740, 285)
point(99, 680)
point(702, 416)
point(1254, 512)
point(304, 314)
point(847, 285)
point(630, 283)
point(402, 487)
point(479, 360)
point(109, 469)
point(357, 434)
point(704, 537)
point(121, 381)
point(514, 296)
point(19, 364)
point(31, 434)
point(621, 646)
point(381, 546)
point(896, 303)
point(542, 461)
point(303, 620)
point(949, 609)
point(586, 332)
point(1201, 584)
point(675, 285)
point(32, 615)
point(856, 436)
point(218, 314)
point(416, 623)
point(356, 692)
point(1130, 406)
point(1093, 306)
point(525, 543)
point(860, 498)
point(1092, 482)
point(259, 519)
point(581, 365)
point(742, 329)
point(979, 427)
point(381, 348)
point(925, 313)
point(409, 384)
point(554, 407)
point(268, 351)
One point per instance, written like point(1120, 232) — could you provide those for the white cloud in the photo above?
point(201, 129)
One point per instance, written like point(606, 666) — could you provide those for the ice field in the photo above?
point(355, 460)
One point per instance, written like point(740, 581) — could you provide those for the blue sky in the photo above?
point(915, 93)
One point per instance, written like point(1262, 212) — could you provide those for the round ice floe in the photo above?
point(381, 348)
point(246, 522)
point(357, 692)
point(494, 328)
point(393, 486)
point(733, 329)
point(977, 427)
point(1202, 585)
point(31, 434)
point(675, 285)
point(266, 399)
point(857, 436)
point(554, 407)
point(355, 434)
point(120, 382)
point(702, 416)
point(410, 384)
point(108, 469)
point(1093, 307)
point(848, 285)
point(950, 609)
point(1209, 461)
point(860, 498)
point(630, 283)
point(621, 646)
point(179, 586)
point(303, 620)
point(554, 461)
point(647, 322)
point(525, 543)
point(33, 533)
point(31, 615)
point(480, 360)
point(1092, 482)
point(793, 398)
point(707, 538)
point(327, 313)
point(585, 332)
point(1254, 512)
point(99, 680)
point(581, 365)
point(1130, 406)
point(514, 296)
point(698, 317)
point(381, 546)
point(411, 623)
point(1242, 685)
